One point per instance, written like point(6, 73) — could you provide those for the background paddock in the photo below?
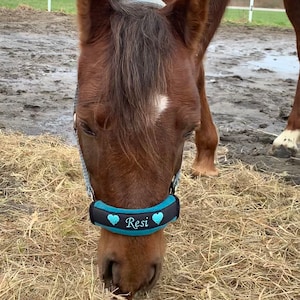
point(238, 235)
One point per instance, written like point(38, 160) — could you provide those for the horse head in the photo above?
point(137, 103)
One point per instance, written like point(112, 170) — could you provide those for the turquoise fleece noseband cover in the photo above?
point(135, 222)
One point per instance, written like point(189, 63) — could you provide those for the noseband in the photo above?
point(129, 222)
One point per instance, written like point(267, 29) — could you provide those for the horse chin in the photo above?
point(121, 291)
point(126, 274)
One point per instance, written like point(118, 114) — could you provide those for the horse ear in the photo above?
point(92, 16)
point(189, 17)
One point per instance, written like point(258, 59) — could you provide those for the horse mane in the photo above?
point(140, 51)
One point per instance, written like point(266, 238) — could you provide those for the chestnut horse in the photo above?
point(137, 102)
point(291, 135)
point(141, 92)
point(206, 136)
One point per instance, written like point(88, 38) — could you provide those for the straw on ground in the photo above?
point(238, 236)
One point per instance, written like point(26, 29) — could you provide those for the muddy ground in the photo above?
point(251, 82)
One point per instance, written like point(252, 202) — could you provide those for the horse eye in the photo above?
point(188, 134)
point(86, 129)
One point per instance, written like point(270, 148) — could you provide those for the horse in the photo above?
point(289, 138)
point(140, 95)
point(137, 102)
point(207, 136)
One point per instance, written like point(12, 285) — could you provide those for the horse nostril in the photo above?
point(154, 274)
point(110, 273)
point(107, 270)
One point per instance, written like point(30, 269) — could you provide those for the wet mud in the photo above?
point(251, 77)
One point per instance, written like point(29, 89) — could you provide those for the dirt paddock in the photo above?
point(251, 82)
point(250, 251)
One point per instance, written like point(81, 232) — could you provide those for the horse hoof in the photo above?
point(205, 173)
point(282, 151)
point(285, 145)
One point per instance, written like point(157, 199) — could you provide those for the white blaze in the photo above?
point(161, 103)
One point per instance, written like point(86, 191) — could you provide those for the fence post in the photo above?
point(49, 5)
point(251, 5)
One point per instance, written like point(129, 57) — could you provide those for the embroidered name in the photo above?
point(136, 224)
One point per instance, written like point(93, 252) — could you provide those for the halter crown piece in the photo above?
point(153, 3)
point(129, 222)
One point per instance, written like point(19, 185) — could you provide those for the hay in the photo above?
point(237, 238)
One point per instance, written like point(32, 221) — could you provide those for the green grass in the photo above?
point(66, 6)
point(262, 18)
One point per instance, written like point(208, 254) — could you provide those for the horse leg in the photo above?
point(206, 137)
point(289, 138)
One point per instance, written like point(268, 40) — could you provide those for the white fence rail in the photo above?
point(251, 8)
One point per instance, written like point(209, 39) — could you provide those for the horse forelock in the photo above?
point(140, 56)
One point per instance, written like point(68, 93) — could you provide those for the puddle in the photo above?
point(286, 65)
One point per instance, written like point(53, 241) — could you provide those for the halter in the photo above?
point(153, 3)
point(129, 222)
